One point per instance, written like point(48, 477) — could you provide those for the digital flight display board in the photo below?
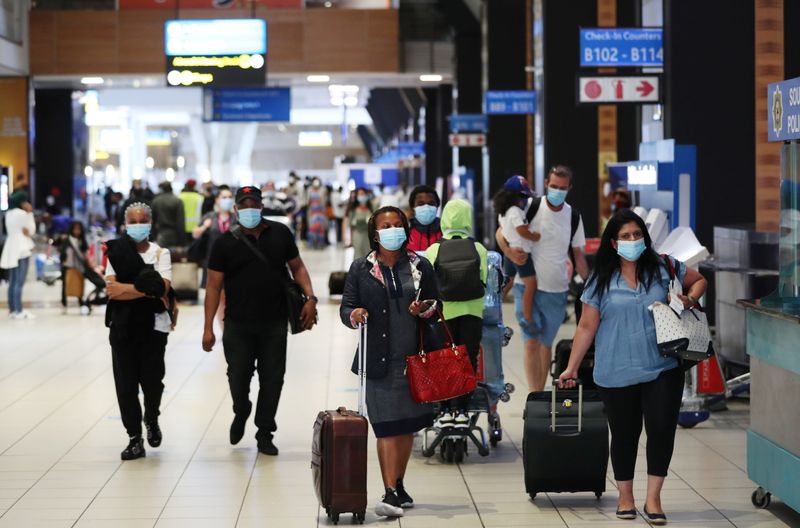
point(218, 52)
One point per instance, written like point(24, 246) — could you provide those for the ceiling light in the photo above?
point(180, 162)
point(343, 89)
point(318, 78)
point(430, 77)
point(92, 80)
point(328, 4)
point(88, 171)
point(170, 174)
point(351, 100)
point(337, 100)
point(321, 138)
point(149, 162)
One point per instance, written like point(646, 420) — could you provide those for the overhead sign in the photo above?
point(411, 148)
point(247, 104)
point(511, 102)
point(205, 4)
point(467, 140)
point(616, 89)
point(226, 52)
point(469, 123)
point(635, 47)
point(784, 110)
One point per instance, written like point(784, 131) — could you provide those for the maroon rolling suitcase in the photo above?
point(339, 453)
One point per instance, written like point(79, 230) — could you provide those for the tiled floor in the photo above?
point(60, 437)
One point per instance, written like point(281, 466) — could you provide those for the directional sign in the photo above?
point(511, 102)
point(616, 89)
point(468, 123)
point(246, 104)
point(784, 110)
point(467, 140)
point(638, 47)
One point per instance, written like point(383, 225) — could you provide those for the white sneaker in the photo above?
point(445, 420)
point(462, 421)
point(25, 314)
point(15, 316)
point(389, 506)
point(85, 310)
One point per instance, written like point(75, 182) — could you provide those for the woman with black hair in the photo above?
point(359, 211)
point(636, 382)
point(74, 259)
point(425, 226)
point(395, 288)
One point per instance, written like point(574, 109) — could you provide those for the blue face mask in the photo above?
point(138, 232)
point(362, 198)
point(249, 218)
point(425, 214)
point(226, 204)
point(556, 197)
point(392, 238)
point(631, 249)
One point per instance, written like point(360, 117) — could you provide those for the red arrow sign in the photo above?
point(645, 88)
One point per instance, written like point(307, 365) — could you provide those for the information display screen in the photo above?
point(225, 52)
point(634, 47)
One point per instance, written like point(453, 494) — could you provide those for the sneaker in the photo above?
point(25, 314)
point(134, 450)
point(154, 435)
point(15, 316)
point(402, 495)
point(85, 310)
point(462, 421)
point(389, 506)
point(267, 447)
point(445, 420)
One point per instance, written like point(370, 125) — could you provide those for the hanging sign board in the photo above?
point(622, 47)
point(784, 110)
point(246, 104)
point(223, 52)
point(511, 102)
point(617, 89)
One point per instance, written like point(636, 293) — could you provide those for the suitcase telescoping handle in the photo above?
point(362, 368)
point(553, 411)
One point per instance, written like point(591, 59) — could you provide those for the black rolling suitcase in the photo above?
point(565, 450)
point(585, 370)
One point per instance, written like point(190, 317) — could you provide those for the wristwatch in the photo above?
point(313, 298)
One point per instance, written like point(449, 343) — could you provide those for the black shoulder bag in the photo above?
point(295, 297)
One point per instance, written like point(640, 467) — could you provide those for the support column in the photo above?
point(769, 59)
point(606, 122)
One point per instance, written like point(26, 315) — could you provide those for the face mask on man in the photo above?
point(392, 238)
point(631, 250)
point(556, 197)
point(138, 232)
point(425, 214)
point(249, 218)
point(226, 204)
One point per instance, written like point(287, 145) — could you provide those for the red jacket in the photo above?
point(422, 237)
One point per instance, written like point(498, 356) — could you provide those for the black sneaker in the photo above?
point(389, 506)
point(402, 495)
point(154, 435)
point(134, 450)
point(267, 447)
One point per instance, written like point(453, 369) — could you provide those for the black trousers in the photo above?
point(256, 347)
point(138, 360)
point(657, 403)
point(467, 330)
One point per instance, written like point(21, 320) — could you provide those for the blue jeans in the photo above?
point(16, 280)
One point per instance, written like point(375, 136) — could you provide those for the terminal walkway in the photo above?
point(60, 438)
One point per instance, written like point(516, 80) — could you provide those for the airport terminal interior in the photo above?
point(163, 158)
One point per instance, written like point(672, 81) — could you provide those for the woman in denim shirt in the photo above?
point(636, 383)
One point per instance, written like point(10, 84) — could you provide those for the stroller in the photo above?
point(452, 442)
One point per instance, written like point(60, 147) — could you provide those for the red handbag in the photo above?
point(440, 375)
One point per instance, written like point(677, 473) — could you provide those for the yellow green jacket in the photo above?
point(457, 223)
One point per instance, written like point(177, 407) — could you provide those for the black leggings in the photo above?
point(658, 402)
point(467, 330)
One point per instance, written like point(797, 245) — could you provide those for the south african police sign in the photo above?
point(784, 110)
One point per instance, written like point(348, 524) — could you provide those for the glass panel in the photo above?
point(11, 20)
point(787, 296)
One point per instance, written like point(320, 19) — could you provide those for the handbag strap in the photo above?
point(450, 343)
point(670, 266)
point(238, 235)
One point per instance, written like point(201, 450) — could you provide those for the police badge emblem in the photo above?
point(777, 111)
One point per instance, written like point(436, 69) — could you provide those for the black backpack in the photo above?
point(458, 269)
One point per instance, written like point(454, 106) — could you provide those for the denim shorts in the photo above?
point(511, 269)
point(549, 310)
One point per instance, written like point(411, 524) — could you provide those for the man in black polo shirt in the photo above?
point(256, 315)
